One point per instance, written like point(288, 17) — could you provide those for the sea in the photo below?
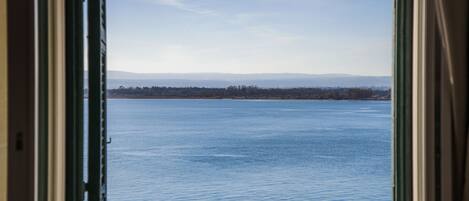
point(249, 150)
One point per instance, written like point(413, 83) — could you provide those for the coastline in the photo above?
point(185, 98)
point(249, 93)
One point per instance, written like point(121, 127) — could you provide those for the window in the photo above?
point(429, 109)
point(97, 186)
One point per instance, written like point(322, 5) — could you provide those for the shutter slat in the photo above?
point(97, 164)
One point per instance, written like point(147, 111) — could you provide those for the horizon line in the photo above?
point(349, 74)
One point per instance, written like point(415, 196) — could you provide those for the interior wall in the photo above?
point(3, 101)
point(22, 132)
point(454, 107)
point(445, 108)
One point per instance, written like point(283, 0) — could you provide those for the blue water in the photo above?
point(249, 150)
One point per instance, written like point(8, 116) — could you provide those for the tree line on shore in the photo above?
point(250, 92)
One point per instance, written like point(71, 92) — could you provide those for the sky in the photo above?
point(250, 36)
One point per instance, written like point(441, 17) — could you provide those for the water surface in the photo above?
point(249, 150)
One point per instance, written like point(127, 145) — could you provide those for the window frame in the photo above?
point(401, 101)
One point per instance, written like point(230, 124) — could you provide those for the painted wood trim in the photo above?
point(417, 102)
point(423, 128)
point(3, 101)
point(56, 100)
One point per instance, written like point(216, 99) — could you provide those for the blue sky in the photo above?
point(250, 36)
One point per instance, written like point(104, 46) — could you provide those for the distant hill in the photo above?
point(250, 92)
point(264, 80)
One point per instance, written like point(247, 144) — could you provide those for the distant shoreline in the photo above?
point(277, 99)
point(249, 93)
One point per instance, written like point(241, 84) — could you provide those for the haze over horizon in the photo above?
point(251, 36)
point(274, 73)
point(222, 80)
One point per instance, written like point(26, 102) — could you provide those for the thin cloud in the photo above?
point(184, 6)
point(252, 23)
point(273, 35)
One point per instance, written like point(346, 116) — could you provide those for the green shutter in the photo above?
point(402, 101)
point(74, 100)
point(43, 99)
point(97, 177)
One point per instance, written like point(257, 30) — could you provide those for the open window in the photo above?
point(95, 185)
point(97, 145)
point(44, 150)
